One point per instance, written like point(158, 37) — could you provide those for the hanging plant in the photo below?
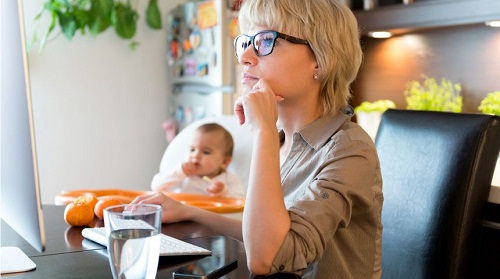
point(96, 16)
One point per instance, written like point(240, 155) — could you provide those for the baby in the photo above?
point(204, 171)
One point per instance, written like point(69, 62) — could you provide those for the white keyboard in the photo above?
point(169, 246)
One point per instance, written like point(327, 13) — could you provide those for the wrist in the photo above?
point(192, 213)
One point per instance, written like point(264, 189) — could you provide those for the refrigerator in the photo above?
point(202, 66)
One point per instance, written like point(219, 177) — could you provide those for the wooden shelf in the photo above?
point(400, 18)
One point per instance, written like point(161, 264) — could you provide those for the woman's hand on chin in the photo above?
point(258, 104)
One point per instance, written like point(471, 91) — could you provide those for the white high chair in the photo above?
point(178, 148)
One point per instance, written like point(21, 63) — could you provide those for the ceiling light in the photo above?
point(493, 23)
point(380, 34)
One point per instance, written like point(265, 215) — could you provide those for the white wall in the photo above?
point(98, 106)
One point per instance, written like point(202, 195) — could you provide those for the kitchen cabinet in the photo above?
point(428, 14)
point(436, 38)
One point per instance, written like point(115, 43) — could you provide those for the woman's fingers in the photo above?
point(239, 111)
point(171, 210)
point(155, 198)
point(244, 104)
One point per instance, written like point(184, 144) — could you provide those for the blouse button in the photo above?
point(282, 267)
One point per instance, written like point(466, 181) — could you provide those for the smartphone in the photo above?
point(210, 267)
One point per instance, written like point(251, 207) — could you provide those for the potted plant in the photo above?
point(491, 103)
point(368, 115)
point(431, 95)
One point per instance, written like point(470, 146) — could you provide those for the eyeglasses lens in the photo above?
point(241, 44)
point(263, 43)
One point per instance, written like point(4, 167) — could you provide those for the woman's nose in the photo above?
point(247, 57)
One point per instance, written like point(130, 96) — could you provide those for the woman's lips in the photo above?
point(246, 78)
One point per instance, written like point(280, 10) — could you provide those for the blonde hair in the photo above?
point(332, 32)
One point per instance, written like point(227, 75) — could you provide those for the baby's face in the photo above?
point(206, 153)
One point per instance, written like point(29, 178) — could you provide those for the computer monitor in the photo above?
point(20, 193)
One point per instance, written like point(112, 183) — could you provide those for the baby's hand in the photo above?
point(216, 188)
point(188, 168)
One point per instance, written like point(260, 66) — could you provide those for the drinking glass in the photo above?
point(133, 232)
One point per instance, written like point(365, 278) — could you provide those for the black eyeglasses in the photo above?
point(263, 42)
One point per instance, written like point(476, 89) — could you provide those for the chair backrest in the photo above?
point(177, 149)
point(437, 169)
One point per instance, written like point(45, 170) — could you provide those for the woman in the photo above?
point(314, 200)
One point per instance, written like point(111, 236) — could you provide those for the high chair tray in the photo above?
point(214, 204)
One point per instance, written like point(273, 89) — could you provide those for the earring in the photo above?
point(315, 76)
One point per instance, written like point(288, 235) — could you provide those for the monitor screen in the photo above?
point(19, 192)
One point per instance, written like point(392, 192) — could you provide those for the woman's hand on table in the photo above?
point(172, 210)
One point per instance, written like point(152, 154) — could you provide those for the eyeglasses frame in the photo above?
point(277, 35)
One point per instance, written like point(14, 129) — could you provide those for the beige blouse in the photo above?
point(333, 192)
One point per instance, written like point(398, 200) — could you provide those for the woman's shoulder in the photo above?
point(353, 132)
point(339, 128)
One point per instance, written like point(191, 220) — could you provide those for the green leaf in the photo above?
point(81, 18)
point(133, 45)
point(102, 7)
point(153, 15)
point(68, 24)
point(49, 30)
point(100, 15)
point(125, 20)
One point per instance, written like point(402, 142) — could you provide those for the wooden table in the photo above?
point(69, 255)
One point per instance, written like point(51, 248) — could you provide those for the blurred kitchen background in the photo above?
point(101, 109)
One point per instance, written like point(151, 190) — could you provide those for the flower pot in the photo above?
point(369, 121)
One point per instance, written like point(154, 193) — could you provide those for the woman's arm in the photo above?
point(265, 219)
point(174, 211)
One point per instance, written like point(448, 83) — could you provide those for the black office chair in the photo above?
point(437, 169)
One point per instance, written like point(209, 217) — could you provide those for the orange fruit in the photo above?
point(105, 203)
point(88, 198)
point(78, 214)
